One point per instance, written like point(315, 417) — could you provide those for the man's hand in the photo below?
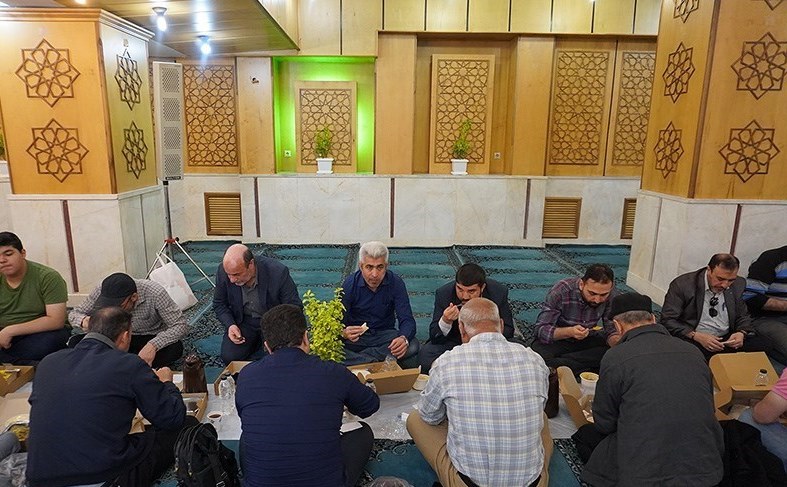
point(85, 323)
point(735, 341)
point(709, 342)
point(398, 346)
point(353, 333)
point(164, 374)
point(6, 335)
point(236, 337)
point(577, 332)
point(148, 353)
point(451, 313)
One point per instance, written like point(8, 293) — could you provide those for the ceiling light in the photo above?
point(81, 2)
point(204, 45)
point(161, 21)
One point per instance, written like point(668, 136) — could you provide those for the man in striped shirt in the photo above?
point(480, 419)
point(766, 298)
point(574, 328)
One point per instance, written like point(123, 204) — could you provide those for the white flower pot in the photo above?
point(459, 167)
point(325, 165)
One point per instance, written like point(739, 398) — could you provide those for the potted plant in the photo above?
point(461, 149)
point(322, 147)
point(325, 325)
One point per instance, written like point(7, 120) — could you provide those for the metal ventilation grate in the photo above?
point(629, 211)
point(561, 217)
point(168, 110)
point(223, 214)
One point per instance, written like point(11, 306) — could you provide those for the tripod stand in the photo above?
point(172, 243)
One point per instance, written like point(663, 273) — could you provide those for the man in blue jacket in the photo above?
point(82, 406)
point(247, 287)
point(290, 405)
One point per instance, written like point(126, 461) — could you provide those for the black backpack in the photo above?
point(202, 461)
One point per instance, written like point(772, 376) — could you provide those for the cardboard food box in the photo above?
point(12, 377)
point(388, 382)
point(233, 368)
point(199, 401)
point(576, 403)
point(15, 409)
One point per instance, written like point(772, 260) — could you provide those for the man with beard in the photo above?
point(574, 328)
point(470, 282)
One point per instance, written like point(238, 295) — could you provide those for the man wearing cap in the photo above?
point(654, 403)
point(32, 306)
point(157, 324)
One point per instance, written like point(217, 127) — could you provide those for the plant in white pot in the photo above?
point(322, 147)
point(461, 149)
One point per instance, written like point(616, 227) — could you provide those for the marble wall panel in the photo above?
point(133, 229)
point(761, 228)
point(248, 209)
point(489, 210)
point(425, 210)
point(154, 218)
point(646, 225)
point(98, 240)
point(187, 203)
point(535, 216)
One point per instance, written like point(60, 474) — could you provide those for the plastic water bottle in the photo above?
point(227, 393)
point(390, 363)
point(761, 379)
point(370, 384)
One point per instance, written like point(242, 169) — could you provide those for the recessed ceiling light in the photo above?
point(161, 21)
point(204, 45)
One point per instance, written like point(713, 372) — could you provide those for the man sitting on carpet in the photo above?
point(480, 420)
point(374, 298)
point(706, 307)
point(766, 298)
point(82, 406)
point(290, 404)
point(470, 282)
point(32, 306)
point(157, 324)
point(247, 287)
point(573, 328)
point(654, 401)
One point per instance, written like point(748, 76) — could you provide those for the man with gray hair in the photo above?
point(480, 420)
point(374, 299)
point(654, 403)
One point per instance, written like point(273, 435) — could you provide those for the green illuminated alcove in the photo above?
point(291, 69)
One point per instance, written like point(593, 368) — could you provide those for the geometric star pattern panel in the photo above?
point(749, 151)
point(684, 8)
point(328, 106)
point(128, 79)
point(462, 89)
point(631, 119)
point(578, 107)
point(57, 150)
point(761, 66)
point(678, 72)
point(772, 4)
point(47, 73)
point(209, 92)
point(669, 149)
point(135, 151)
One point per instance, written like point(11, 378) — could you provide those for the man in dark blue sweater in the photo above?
point(290, 405)
point(82, 406)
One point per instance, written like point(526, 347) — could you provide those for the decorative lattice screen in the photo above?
point(326, 104)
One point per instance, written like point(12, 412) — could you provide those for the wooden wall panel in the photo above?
point(572, 16)
point(285, 12)
point(646, 18)
point(255, 115)
point(628, 128)
point(361, 19)
point(319, 27)
point(744, 141)
point(462, 89)
point(211, 116)
point(330, 104)
point(446, 15)
point(614, 17)
point(81, 112)
point(404, 15)
point(488, 15)
point(531, 105)
point(531, 16)
point(395, 104)
point(581, 92)
point(128, 102)
point(681, 62)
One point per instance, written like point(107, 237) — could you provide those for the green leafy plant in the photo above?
point(462, 146)
point(322, 142)
point(325, 325)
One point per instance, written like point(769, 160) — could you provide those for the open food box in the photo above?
point(579, 406)
point(386, 381)
point(233, 368)
point(15, 415)
point(12, 377)
point(196, 405)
